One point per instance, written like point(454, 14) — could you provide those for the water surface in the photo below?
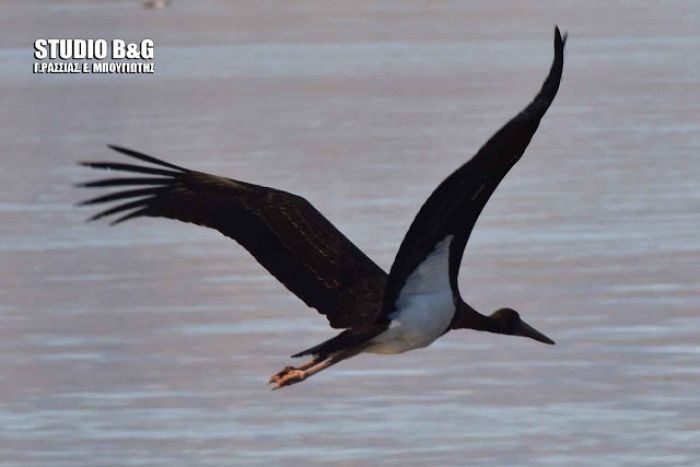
point(150, 344)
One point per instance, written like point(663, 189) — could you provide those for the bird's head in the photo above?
point(509, 322)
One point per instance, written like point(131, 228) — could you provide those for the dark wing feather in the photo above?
point(284, 232)
point(453, 208)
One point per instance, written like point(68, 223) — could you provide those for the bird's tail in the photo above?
point(348, 339)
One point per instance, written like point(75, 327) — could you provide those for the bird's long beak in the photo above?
point(528, 331)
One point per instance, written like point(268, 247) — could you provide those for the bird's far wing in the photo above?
point(453, 208)
point(283, 231)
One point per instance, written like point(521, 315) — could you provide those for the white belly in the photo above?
point(425, 306)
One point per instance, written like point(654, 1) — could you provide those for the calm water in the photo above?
point(150, 344)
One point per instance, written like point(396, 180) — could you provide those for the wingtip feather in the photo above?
point(559, 38)
point(145, 157)
point(131, 215)
point(94, 217)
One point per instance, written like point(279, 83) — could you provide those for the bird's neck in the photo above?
point(467, 317)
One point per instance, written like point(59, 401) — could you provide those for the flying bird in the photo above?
point(409, 308)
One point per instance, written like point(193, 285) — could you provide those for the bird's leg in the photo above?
point(296, 375)
point(284, 371)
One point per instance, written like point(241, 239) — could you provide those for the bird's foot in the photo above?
point(286, 377)
point(280, 374)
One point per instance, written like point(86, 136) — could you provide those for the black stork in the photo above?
point(417, 302)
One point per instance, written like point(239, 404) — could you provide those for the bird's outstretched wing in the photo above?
point(283, 231)
point(453, 208)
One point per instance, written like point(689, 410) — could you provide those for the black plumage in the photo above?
point(315, 261)
point(455, 205)
point(283, 231)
